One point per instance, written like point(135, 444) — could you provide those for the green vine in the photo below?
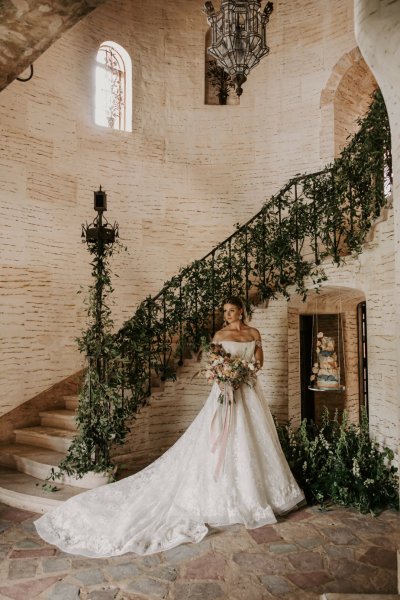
point(338, 463)
point(280, 251)
point(103, 402)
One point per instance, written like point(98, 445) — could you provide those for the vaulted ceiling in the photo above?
point(29, 27)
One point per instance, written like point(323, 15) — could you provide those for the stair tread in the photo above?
point(45, 456)
point(26, 484)
point(59, 412)
point(46, 431)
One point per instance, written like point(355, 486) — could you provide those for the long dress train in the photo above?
point(174, 499)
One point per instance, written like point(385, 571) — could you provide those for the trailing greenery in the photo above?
point(103, 403)
point(338, 463)
point(279, 251)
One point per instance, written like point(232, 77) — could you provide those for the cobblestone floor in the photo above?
point(304, 554)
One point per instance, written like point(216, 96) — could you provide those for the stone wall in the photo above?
point(377, 26)
point(177, 184)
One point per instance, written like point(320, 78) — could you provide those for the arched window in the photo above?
point(113, 100)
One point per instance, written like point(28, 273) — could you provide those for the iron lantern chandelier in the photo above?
point(100, 231)
point(238, 36)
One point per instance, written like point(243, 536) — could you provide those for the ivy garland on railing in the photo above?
point(279, 251)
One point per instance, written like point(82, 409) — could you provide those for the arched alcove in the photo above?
point(351, 101)
point(345, 98)
point(329, 303)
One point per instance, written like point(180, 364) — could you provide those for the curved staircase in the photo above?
point(26, 463)
point(28, 460)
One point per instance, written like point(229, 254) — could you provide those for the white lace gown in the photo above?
point(172, 501)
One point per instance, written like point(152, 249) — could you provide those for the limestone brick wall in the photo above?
point(377, 26)
point(351, 351)
point(163, 421)
point(177, 184)
point(272, 322)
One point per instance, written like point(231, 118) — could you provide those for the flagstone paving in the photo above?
point(304, 554)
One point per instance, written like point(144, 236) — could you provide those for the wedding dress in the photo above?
point(172, 501)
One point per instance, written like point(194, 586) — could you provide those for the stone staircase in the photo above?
point(26, 463)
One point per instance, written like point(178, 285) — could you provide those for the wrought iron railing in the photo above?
point(279, 250)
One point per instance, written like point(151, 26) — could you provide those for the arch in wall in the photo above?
point(345, 98)
point(331, 300)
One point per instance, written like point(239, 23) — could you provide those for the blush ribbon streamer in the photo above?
point(219, 440)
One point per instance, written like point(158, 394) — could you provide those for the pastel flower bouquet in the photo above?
point(230, 372)
point(227, 370)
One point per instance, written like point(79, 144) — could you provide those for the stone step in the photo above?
point(45, 437)
point(38, 462)
point(27, 493)
point(31, 460)
point(359, 597)
point(60, 418)
point(71, 402)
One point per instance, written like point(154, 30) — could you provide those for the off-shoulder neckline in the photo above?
point(236, 341)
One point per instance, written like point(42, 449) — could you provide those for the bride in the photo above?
point(193, 485)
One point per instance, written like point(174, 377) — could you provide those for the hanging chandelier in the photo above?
point(238, 36)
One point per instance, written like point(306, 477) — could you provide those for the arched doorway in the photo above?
point(332, 305)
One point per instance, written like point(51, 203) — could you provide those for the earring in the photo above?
point(240, 317)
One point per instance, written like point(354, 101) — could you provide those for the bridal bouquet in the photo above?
point(227, 370)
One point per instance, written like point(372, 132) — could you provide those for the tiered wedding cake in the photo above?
point(325, 372)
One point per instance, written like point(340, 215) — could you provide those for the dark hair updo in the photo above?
point(238, 302)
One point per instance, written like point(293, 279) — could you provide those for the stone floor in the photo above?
point(303, 555)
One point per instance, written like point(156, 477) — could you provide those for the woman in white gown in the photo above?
point(172, 501)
